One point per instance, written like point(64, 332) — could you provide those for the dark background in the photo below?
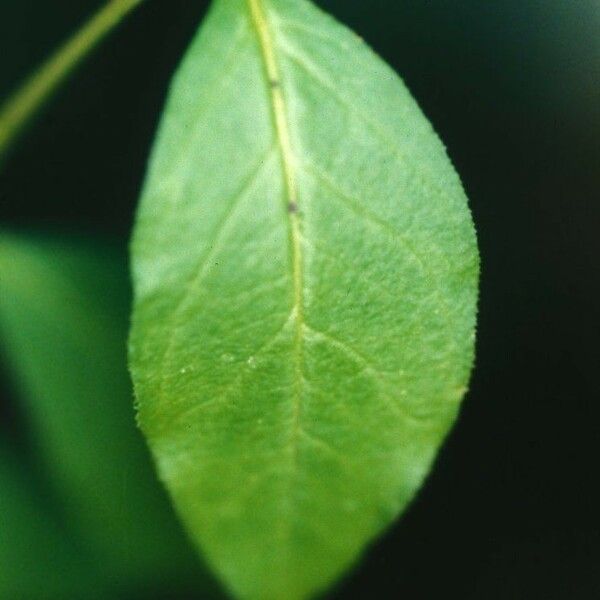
point(513, 88)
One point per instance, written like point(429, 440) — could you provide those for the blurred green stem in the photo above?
point(27, 100)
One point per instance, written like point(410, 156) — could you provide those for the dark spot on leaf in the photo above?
point(274, 83)
point(292, 207)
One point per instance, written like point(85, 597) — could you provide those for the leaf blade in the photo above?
point(350, 232)
point(37, 560)
point(63, 324)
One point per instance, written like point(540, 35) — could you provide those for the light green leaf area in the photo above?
point(63, 327)
point(305, 270)
point(36, 560)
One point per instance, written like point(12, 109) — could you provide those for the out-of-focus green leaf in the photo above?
point(37, 562)
point(63, 324)
point(305, 271)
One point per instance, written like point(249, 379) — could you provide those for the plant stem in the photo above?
point(28, 99)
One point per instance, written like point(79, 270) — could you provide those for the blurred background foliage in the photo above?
point(82, 501)
point(510, 512)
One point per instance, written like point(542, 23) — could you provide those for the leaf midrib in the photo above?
point(260, 24)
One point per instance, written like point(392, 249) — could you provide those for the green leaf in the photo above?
point(63, 327)
point(36, 559)
point(305, 271)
